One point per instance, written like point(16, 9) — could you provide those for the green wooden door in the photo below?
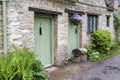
point(43, 39)
point(73, 38)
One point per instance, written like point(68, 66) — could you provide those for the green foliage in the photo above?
point(94, 55)
point(113, 52)
point(17, 65)
point(117, 25)
point(117, 22)
point(114, 45)
point(115, 49)
point(101, 41)
point(38, 72)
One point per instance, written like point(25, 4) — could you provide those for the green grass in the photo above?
point(110, 54)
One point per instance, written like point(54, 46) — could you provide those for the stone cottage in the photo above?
point(45, 27)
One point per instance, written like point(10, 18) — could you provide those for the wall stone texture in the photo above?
point(1, 29)
point(21, 23)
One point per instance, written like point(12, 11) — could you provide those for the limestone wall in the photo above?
point(1, 29)
point(21, 23)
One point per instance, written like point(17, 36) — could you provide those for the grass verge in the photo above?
point(110, 54)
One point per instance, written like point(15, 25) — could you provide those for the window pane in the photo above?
point(95, 25)
point(88, 24)
point(108, 21)
point(92, 23)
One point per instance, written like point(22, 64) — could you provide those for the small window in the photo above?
point(92, 23)
point(108, 21)
point(118, 3)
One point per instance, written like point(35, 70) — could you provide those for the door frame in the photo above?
point(38, 15)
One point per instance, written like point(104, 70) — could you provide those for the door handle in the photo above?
point(75, 30)
point(40, 31)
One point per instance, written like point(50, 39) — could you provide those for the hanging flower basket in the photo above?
point(75, 19)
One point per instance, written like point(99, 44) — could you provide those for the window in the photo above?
point(92, 23)
point(110, 3)
point(108, 21)
point(119, 3)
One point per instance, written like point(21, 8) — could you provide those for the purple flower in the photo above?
point(76, 52)
point(76, 16)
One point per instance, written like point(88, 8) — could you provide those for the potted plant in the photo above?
point(83, 54)
point(75, 19)
point(76, 55)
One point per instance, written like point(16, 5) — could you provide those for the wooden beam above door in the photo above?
point(43, 11)
point(73, 12)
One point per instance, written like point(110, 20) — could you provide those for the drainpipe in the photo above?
point(4, 26)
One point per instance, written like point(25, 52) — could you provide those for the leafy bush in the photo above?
point(94, 55)
point(115, 49)
point(114, 45)
point(38, 72)
point(117, 25)
point(17, 65)
point(101, 41)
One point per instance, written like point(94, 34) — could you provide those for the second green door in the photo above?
point(73, 38)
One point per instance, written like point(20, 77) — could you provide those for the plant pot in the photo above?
point(84, 57)
point(75, 22)
point(77, 59)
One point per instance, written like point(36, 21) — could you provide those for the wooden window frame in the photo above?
point(107, 20)
point(92, 25)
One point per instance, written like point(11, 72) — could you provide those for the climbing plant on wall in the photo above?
point(117, 25)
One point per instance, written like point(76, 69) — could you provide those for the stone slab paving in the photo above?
point(107, 70)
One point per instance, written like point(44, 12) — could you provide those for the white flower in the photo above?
point(83, 50)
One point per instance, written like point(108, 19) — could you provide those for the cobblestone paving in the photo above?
point(107, 70)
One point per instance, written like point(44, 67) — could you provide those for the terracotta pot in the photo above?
point(84, 57)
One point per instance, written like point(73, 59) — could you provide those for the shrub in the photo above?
point(114, 45)
point(17, 65)
point(101, 41)
point(117, 25)
point(94, 55)
point(38, 72)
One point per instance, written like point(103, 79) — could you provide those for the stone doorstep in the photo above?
point(51, 68)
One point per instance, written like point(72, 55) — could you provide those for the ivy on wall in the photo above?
point(117, 25)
